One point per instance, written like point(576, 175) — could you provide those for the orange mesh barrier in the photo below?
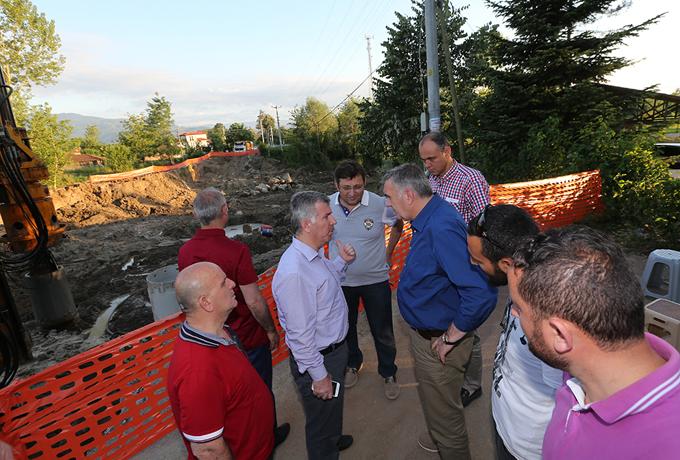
point(156, 169)
point(110, 402)
point(554, 202)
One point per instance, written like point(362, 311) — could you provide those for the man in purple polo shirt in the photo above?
point(582, 311)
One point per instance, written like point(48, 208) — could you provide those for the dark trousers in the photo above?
point(378, 306)
point(323, 418)
point(502, 452)
point(261, 359)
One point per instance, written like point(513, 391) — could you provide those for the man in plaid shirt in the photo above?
point(467, 190)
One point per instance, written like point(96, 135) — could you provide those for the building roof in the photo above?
point(194, 133)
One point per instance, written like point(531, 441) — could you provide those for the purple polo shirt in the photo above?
point(641, 421)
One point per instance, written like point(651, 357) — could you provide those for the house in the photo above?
point(79, 160)
point(195, 139)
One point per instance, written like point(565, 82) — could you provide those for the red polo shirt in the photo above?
point(215, 392)
point(233, 257)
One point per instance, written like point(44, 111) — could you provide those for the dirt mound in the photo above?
point(90, 204)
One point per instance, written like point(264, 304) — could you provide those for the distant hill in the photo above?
point(108, 127)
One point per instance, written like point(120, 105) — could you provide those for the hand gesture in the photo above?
point(346, 251)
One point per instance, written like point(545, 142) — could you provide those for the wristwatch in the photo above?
point(446, 341)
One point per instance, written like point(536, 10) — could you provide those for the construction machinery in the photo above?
point(31, 227)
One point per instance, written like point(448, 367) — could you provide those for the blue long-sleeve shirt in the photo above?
point(438, 285)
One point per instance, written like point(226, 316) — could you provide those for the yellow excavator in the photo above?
point(31, 227)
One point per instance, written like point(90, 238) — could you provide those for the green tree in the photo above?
point(118, 157)
point(50, 140)
point(218, 137)
point(238, 132)
point(390, 125)
point(135, 136)
point(543, 81)
point(150, 133)
point(349, 129)
point(91, 138)
point(266, 124)
point(29, 51)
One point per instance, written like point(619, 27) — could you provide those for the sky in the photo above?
point(224, 61)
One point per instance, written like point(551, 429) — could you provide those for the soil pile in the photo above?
point(90, 204)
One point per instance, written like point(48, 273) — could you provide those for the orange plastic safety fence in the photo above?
point(111, 401)
point(156, 169)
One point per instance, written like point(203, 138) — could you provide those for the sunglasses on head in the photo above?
point(480, 230)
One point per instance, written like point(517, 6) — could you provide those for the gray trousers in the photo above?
point(323, 419)
point(439, 391)
point(473, 374)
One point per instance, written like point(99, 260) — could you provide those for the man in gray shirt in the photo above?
point(313, 313)
point(361, 217)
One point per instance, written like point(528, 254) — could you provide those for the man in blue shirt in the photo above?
point(443, 297)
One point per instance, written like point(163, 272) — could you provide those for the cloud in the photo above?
point(91, 89)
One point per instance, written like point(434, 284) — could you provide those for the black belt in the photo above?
point(429, 333)
point(332, 347)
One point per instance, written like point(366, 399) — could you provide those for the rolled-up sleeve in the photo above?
point(297, 305)
point(477, 297)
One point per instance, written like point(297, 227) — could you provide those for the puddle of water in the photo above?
point(102, 322)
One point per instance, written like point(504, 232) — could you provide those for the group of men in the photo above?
point(574, 373)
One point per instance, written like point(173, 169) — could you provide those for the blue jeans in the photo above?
point(261, 359)
point(378, 306)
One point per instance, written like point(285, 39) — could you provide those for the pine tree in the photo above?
point(542, 86)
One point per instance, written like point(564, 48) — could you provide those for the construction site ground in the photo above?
point(119, 232)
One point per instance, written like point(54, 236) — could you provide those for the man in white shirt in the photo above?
point(523, 387)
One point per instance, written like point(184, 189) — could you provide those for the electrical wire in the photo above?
point(10, 359)
point(10, 168)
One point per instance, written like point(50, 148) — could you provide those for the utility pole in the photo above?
point(370, 66)
point(432, 67)
point(261, 130)
point(443, 20)
point(278, 125)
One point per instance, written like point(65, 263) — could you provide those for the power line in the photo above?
point(347, 97)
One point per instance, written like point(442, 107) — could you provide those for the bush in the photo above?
point(119, 158)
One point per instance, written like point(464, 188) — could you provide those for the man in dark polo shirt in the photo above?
point(251, 320)
point(444, 298)
point(221, 406)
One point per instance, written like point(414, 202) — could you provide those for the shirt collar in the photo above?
point(307, 251)
point(424, 215)
point(190, 334)
point(206, 232)
point(364, 198)
point(640, 395)
point(448, 174)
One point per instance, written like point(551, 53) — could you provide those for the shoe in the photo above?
point(352, 376)
point(281, 433)
point(345, 441)
point(392, 388)
point(466, 397)
point(426, 443)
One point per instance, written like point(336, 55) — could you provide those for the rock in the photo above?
point(286, 178)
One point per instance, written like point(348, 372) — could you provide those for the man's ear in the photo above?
point(561, 335)
point(205, 304)
point(505, 264)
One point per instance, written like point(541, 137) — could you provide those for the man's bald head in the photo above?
point(195, 281)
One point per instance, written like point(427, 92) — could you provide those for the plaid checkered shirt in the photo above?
point(463, 187)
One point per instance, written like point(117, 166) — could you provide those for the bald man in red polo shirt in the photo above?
point(221, 406)
point(251, 320)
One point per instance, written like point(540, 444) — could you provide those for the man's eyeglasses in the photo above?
point(480, 230)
